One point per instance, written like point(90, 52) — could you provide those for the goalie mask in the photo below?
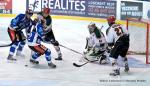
point(91, 27)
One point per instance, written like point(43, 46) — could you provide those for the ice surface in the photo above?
point(71, 33)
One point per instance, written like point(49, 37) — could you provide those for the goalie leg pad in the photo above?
point(89, 44)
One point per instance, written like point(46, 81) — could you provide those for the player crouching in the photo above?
point(96, 45)
point(34, 43)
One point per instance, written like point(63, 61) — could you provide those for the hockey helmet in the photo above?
point(29, 11)
point(111, 19)
point(91, 25)
point(46, 10)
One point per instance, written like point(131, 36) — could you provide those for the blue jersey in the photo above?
point(20, 22)
point(36, 35)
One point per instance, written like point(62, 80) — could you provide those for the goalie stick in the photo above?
point(88, 61)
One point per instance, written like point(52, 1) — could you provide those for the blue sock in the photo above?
point(13, 48)
point(48, 55)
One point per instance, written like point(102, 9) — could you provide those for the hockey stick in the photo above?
point(7, 45)
point(71, 49)
point(80, 65)
point(88, 61)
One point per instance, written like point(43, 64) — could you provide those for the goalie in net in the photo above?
point(96, 45)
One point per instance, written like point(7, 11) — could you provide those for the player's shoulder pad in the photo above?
point(21, 15)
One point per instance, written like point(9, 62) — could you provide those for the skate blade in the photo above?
point(11, 61)
point(52, 67)
point(112, 74)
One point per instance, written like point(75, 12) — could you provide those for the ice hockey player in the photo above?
point(117, 38)
point(49, 35)
point(96, 44)
point(34, 42)
point(22, 21)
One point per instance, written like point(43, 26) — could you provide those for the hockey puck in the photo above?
point(25, 65)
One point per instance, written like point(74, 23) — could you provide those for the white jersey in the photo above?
point(114, 32)
point(97, 42)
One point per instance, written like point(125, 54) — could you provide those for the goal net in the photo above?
point(139, 37)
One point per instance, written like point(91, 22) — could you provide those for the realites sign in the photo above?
point(86, 8)
point(37, 5)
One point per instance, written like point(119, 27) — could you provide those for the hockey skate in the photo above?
point(103, 59)
point(10, 58)
point(34, 61)
point(59, 57)
point(115, 72)
point(51, 65)
point(19, 54)
point(126, 67)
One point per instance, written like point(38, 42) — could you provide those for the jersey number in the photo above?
point(118, 31)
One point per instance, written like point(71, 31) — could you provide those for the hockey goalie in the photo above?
point(96, 45)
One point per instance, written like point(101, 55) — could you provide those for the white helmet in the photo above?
point(92, 24)
point(91, 27)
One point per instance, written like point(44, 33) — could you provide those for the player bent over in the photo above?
point(96, 44)
point(118, 38)
point(49, 35)
point(34, 43)
point(22, 21)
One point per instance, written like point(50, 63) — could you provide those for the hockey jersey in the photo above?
point(97, 39)
point(114, 32)
point(20, 22)
point(36, 35)
point(48, 19)
point(48, 22)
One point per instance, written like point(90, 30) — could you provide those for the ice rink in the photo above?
point(70, 33)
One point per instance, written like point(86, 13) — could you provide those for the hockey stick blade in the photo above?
point(78, 65)
point(7, 45)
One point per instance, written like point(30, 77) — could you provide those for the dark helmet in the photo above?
point(29, 11)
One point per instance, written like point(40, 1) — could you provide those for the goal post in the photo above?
point(139, 30)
